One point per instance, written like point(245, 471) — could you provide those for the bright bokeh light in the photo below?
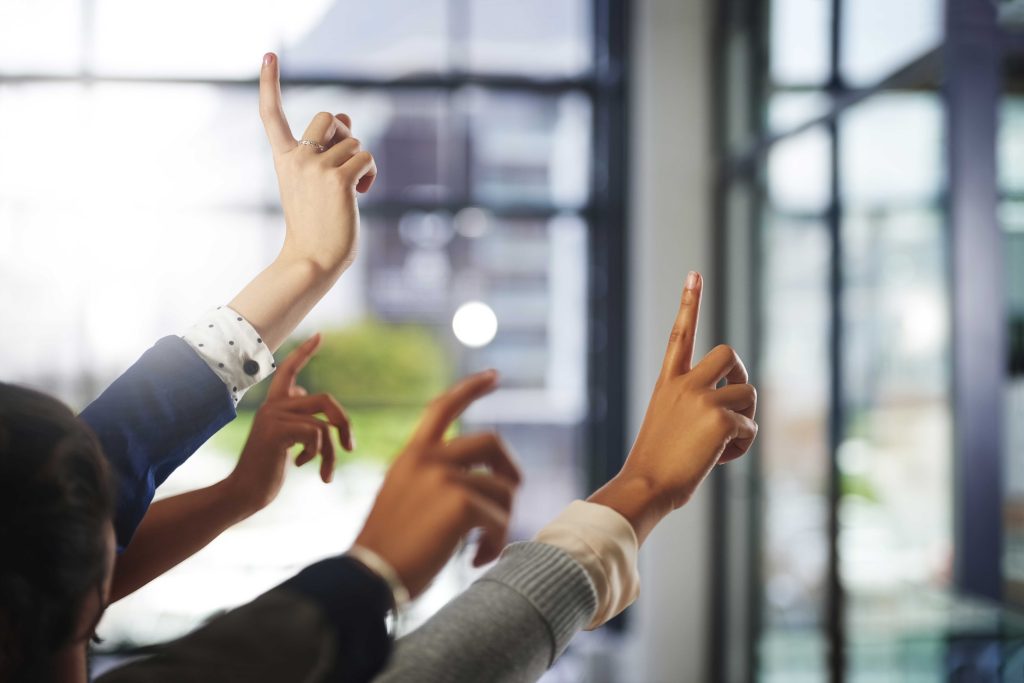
point(475, 324)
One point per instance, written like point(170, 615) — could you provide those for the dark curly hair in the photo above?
point(56, 502)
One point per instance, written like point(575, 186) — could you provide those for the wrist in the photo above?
point(635, 496)
point(380, 567)
point(319, 264)
point(238, 499)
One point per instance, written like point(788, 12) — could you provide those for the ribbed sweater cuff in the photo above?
point(554, 583)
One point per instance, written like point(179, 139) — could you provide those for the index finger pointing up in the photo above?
point(679, 356)
point(271, 110)
point(447, 407)
point(284, 379)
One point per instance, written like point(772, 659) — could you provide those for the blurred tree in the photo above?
point(371, 364)
point(382, 374)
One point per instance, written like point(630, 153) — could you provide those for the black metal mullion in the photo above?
point(972, 91)
point(761, 27)
point(719, 483)
point(835, 595)
point(607, 291)
point(588, 84)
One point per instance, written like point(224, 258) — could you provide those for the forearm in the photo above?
point(173, 530)
point(277, 299)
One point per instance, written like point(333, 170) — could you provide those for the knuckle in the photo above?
point(323, 117)
point(721, 421)
point(508, 494)
point(726, 351)
point(462, 502)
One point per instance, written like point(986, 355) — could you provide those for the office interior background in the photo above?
point(848, 175)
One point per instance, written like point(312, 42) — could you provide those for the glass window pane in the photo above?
point(794, 414)
point(40, 36)
point(1010, 150)
point(385, 39)
point(381, 39)
point(1013, 491)
point(504, 35)
point(881, 36)
point(1011, 214)
point(895, 456)
point(800, 42)
point(789, 109)
point(186, 38)
point(738, 89)
point(217, 156)
point(800, 172)
point(527, 149)
point(892, 151)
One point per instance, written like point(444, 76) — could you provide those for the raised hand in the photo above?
point(437, 491)
point(318, 178)
point(691, 425)
point(286, 418)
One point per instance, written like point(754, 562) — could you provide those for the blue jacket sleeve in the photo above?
point(151, 419)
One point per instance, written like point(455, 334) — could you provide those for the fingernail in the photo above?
point(268, 59)
point(691, 280)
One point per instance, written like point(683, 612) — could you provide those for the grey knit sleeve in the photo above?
point(508, 627)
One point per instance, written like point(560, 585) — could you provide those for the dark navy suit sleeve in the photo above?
point(151, 419)
point(325, 625)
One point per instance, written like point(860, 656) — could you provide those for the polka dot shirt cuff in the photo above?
point(232, 348)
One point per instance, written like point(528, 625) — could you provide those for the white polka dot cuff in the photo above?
point(232, 348)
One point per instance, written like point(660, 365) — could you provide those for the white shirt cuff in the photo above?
point(232, 348)
point(605, 544)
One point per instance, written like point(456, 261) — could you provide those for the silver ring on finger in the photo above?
point(312, 143)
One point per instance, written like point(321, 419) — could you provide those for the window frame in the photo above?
point(605, 211)
point(965, 68)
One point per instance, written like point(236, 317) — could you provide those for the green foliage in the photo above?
point(372, 364)
point(382, 374)
point(379, 433)
point(856, 485)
